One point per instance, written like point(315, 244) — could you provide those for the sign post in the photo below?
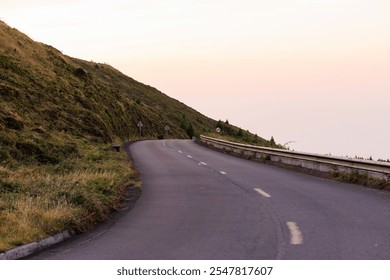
point(140, 125)
point(167, 129)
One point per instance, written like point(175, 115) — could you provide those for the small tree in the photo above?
point(183, 122)
point(219, 124)
point(272, 142)
point(190, 131)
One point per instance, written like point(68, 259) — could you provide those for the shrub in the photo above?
point(81, 73)
point(13, 123)
point(9, 187)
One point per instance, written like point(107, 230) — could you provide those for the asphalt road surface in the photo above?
point(197, 203)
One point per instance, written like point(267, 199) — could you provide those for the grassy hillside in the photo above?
point(43, 91)
point(59, 117)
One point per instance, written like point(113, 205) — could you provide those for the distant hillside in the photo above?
point(58, 118)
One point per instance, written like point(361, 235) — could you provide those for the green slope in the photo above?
point(44, 92)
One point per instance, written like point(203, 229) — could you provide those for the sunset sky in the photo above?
point(316, 72)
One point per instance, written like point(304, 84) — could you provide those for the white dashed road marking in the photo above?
point(296, 237)
point(180, 152)
point(263, 193)
point(189, 156)
point(222, 172)
point(203, 163)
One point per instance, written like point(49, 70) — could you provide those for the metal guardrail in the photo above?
point(322, 163)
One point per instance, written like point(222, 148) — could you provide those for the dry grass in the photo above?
point(38, 201)
point(33, 218)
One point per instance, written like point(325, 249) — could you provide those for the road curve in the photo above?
point(197, 203)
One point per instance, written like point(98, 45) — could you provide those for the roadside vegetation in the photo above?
point(231, 133)
point(362, 179)
point(40, 200)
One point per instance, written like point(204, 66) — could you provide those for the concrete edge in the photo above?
point(34, 247)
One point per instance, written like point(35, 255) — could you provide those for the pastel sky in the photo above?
point(315, 72)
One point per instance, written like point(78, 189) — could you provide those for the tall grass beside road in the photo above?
point(37, 201)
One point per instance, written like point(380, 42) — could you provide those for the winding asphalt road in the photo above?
point(197, 203)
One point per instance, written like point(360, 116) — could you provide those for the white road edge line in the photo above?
point(263, 193)
point(222, 172)
point(296, 237)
